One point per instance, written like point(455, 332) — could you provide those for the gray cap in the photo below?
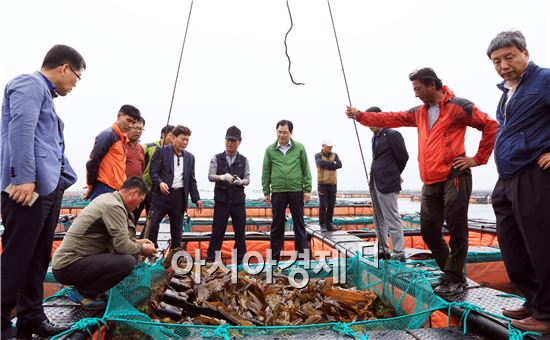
point(233, 133)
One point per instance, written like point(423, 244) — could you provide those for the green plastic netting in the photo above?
point(77, 202)
point(406, 289)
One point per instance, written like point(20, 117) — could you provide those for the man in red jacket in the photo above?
point(444, 167)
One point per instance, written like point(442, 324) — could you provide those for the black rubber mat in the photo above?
point(60, 310)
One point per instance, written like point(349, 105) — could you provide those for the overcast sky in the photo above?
point(234, 70)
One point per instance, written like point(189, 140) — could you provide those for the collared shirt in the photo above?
point(51, 86)
point(177, 183)
point(509, 95)
point(375, 139)
point(433, 114)
point(135, 159)
point(284, 149)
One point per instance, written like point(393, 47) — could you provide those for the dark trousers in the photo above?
point(100, 189)
point(447, 201)
point(26, 249)
point(95, 274)
point(327, 200)
point(222, 211)
point(173, 204)
point(146, 204)
point(279, 202)
point(522, 209)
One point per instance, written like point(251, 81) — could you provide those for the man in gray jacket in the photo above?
point(99, 249)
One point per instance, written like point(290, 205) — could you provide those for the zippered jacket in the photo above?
point(149, 150)
point(524, 132)
point(440, 145)
point(107, 163)
point(286, 173)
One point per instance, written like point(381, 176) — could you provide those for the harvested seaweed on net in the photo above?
point(252, 302)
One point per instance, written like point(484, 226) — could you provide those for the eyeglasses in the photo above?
point(73, 71)
point(138, 129)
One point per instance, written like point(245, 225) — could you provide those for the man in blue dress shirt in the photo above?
point(32, 152)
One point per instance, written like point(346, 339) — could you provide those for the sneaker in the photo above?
point(448, 287)
point(86, 303)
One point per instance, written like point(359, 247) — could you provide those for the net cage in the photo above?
point(407, 290)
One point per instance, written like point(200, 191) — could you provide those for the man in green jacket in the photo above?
point(286, 177)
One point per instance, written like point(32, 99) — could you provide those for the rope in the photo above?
point(512, 296)
point(344, 329)
point(148, 217)
point(179, 65)
point(59, 293)
point(220, 331)
point(349, 97)
point(286, 47)
point(513, 333)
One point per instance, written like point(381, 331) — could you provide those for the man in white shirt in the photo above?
point(173, 175)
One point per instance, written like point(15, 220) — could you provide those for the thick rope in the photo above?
point(349, 97)
point(179, 64)
point(286, 47)
point(513, 333)
point(344, 329)
point(220, 331)
point(147, 227)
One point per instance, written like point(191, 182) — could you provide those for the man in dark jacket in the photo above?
point(389, 157)
point(327, 164)
point(173, 175)
point(520, 198)
point(231, 172)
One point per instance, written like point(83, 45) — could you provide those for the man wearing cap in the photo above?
point(327, 164)
point(389, 157)
point(231, 172)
